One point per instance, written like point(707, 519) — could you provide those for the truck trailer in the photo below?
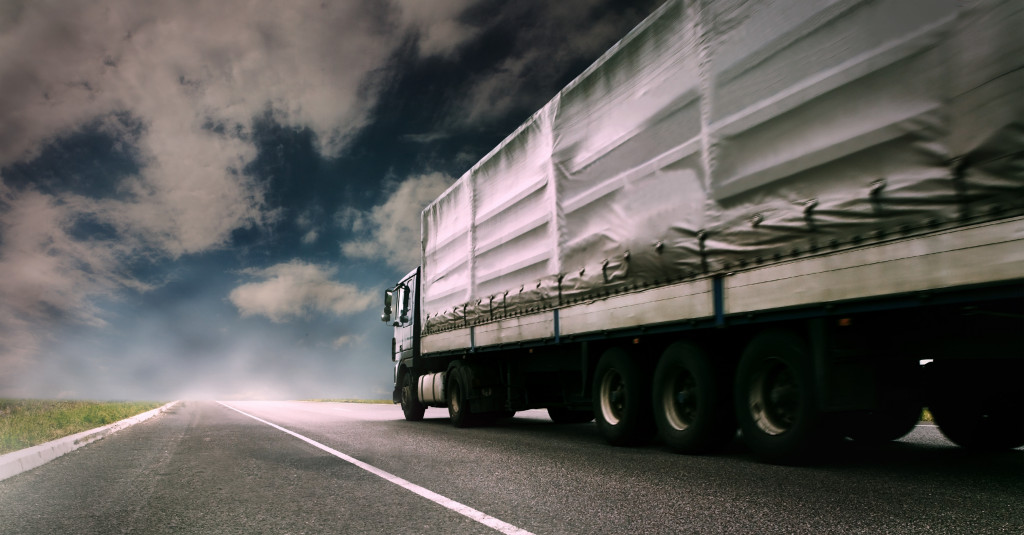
point(802, 221)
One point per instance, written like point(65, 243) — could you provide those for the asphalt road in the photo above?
point(205, 468)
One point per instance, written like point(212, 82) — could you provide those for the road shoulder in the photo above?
point(16, 462)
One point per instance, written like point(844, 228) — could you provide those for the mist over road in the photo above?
point(349, 468)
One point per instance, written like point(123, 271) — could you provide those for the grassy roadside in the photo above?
point(28, 422)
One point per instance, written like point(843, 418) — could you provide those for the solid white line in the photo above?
point(464, 510)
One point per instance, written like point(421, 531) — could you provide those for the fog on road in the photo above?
point(305, 467)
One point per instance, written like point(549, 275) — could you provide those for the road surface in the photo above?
point(303, 467)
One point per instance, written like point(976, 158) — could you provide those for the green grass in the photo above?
point(25, 423)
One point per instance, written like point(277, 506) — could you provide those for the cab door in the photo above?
point(405, 303)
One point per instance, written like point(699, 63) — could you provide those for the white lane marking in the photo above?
point(464, 510)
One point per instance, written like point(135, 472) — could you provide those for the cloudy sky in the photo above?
point(207, 198)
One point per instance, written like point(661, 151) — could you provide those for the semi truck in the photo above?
point(794, 222)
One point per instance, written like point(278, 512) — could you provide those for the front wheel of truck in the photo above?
point(411, 406)
point(458, 408)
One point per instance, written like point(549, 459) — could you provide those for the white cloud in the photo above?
point(180, 69)
point(182, 66)
point(307, 221)
point(394, 227)
point(295, 290)
point(351, 218)
point(46, 270)
point(47, 277)
point(347, 340)
point(191, 195)
point(437, 24)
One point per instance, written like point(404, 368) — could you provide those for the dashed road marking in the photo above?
point(464, 510)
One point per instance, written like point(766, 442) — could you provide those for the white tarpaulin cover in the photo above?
point(726, 134)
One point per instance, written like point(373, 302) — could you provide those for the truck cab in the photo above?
point(401, 310)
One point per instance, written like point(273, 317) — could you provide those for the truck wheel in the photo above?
point(774, 395)
point(692, 408)
point(411, 406)
point(622, 399)
point(562, 415)
point(458, 408)
point(979, 427)
point(977, 405)
point(899, 386)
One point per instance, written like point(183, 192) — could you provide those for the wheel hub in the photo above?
point(680, 401)
point(775, 399)
point(613, 397)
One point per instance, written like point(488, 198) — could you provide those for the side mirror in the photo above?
point(386, 316)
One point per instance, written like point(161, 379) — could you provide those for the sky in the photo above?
point(206, 199)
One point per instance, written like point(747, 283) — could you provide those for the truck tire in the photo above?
point(977, 404)
point(776, 406)
point(692, 407)
point(411, 406)
point(562, 415)
point(458, 407)
point(899, 390)
point(622, 399)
